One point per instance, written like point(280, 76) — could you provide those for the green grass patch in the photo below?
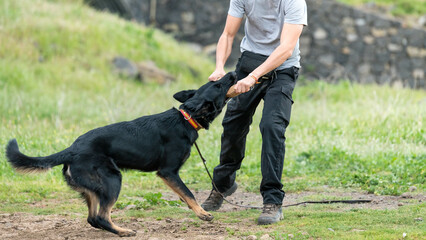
point(313, 221)
point(398, 7)
point(146, 201)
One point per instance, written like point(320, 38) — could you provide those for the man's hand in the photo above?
point(244, 84)
point(217, 74)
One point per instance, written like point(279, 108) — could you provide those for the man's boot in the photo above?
point(215, 199)
point(271, 213)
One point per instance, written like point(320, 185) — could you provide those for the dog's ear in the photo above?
point(182, 96)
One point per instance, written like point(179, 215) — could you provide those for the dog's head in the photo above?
point(206, 103)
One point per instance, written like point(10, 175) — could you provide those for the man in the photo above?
point(268, 69)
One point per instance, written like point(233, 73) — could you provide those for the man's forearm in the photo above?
point(277, 57)
point(289, 37)
point(223, 50)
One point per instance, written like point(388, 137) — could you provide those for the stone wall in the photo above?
point(340, 42)
point(343, 42)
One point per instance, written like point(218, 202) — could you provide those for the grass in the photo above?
point(398, 7)
point(56, 83)
point(320, 221)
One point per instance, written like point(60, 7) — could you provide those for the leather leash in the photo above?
point(288, 205)
point(214, 185)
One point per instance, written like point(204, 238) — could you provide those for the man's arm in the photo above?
point(289, 36)
point(224, 46)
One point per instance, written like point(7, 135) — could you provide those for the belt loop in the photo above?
point(275, 75)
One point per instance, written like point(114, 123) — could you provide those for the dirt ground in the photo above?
point(66, 227)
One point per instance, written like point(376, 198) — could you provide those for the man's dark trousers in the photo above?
point(277, 95)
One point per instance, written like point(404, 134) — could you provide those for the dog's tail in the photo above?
point(23, 163)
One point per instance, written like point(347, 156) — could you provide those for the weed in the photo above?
point(146, 201)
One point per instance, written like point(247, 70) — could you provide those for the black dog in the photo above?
point(160, 142)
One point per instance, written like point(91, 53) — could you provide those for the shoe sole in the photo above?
point(225, 194)
point(231, 190)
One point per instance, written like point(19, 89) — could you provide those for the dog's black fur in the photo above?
point(160, 142)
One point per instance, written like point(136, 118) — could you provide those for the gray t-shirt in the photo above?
point(265, 20)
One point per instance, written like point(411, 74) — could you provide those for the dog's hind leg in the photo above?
point(92, 201)
point(176, 184)
point(99, 182)
point(85, 185)
point(108, 194)
point(104, 220)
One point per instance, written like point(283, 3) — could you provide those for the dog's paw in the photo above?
point(206, 217)
point(93, 223)
point(127, 233)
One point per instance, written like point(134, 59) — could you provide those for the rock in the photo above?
point(210, 49)
point(144, 71)
point(320, 34)
point(171, 27)
point(364, 69)
point(346, 50)
point(377, 32)
point(417, 74)
point(394, 47)
point(150, 72)
point(406, 195)
point(125, 67)
point(398, 84)
point(351, 37)
point(422, 21)
point(188, 17)
point(360, 22)
point(327, 60)
point(251, 237)
point(265, 237)
point(416, 52)
point(131, 206)
point(368, 39)
point(415, 38)
point(195, 47)
point(382, 23)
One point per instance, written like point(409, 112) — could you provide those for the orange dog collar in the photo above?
point(191, 121)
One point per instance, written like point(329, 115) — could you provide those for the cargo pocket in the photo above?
point(287, 92)
point(287, 104)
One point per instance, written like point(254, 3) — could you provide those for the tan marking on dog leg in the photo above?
point(105, 213)
point(192, 203)
point(92, 203)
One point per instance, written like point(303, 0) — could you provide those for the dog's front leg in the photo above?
point(176, 184)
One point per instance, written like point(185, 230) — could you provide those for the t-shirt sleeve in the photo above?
point(296, 12)
point(236, 8)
